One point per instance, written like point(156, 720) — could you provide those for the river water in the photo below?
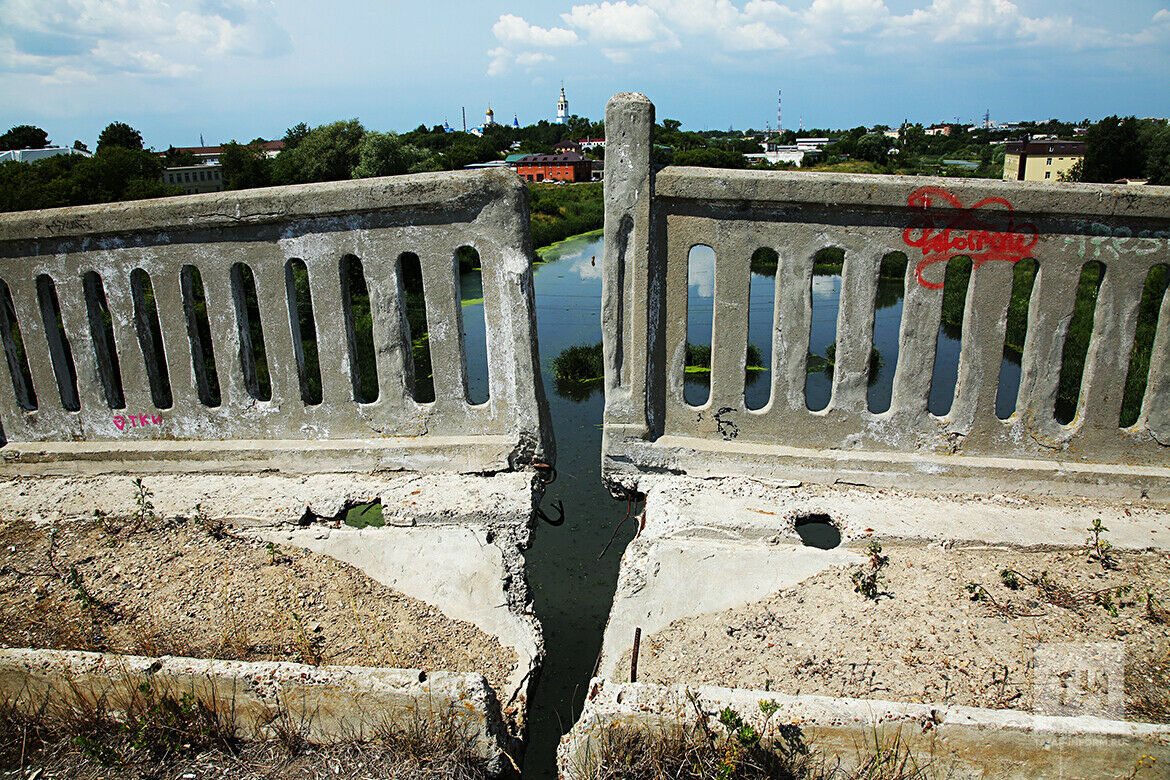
point(572, 580)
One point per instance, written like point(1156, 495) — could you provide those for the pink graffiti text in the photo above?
point(136, 420)
point(942, 237)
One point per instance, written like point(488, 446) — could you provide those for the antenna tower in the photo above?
point(987, 119)
point(779, 125)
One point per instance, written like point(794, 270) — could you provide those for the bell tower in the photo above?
point(562, 107)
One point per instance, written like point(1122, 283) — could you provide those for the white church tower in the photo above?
point(562, 107)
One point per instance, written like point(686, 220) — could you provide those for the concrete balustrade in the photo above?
point(654, 219)
point(101, 403)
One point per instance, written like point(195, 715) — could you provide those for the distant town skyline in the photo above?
point(237, 69)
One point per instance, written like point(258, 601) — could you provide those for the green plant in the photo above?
point(1011, 579)
point(213, 526)
point(867, 576)
point(143, 507)
point(1100, 549)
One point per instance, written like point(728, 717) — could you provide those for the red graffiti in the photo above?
point(136, 420)
point(965, 233)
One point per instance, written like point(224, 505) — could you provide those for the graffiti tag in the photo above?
point(965, 233)
point(136, 420)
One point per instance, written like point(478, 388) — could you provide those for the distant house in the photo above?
point(592, 143)
point(938, 130)
point(567, 146)
point(205, 177)
point(1040, 160)
point(30, 155)
point(567, 166)
point(209, 155)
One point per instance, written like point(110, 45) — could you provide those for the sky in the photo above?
point(240, 69)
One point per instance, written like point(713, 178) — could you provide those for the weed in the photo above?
point(1154, 609)
point(1010, 579)
point(144, 515)
point(213, 526)
point(1100, 549)
point(867, 576)
point(308, 650)
point(80, 593)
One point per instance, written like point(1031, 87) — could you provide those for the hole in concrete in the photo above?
point(60, 354)
point(1015, 334)
point(300, 310)
point(150, 338)
point(473, 326)
point(101, 332)
point(818, 530)
point(359, 330)
point(1076, 341)
point(422, 676)
point(700, 308)
point(14, 352)
point(410, 280)
point(825, 297)
point(1154, 295)
point(949, 342)
point(490, 537)
point(253, 358)
point(199, 334)
point(887, 327)
point(367, 515)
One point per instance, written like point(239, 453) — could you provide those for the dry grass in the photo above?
point(155, 732)
point(736, 750)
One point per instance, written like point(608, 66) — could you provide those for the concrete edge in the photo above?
point(327, 704)
point(967, 741)
point(259, 206)
point(463, 454)
point(875, 190)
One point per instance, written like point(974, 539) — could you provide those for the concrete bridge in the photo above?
point(131, 338)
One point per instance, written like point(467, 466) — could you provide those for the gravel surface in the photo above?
point(924, 639)
point(190, 588)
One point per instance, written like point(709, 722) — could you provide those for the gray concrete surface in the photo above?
point(374, 220)
point(653, 221)
point(326, 704)
point(956, 742)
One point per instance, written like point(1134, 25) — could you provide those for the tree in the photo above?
point(119, 134)
point(873, 147)
point(24, 137)
point(1113, 150)
point(244, 166)
point(385, 154)
point(174, 158)
point(294, 135)
point(326, 153)
point(1158, 157)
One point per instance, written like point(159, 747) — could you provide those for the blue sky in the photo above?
point(228, 69)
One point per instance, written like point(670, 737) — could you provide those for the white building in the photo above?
point(562, 108)
point(29, 155)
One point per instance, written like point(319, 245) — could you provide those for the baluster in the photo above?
point(917, 340)
point(984, 324)
point(1110, 348)
point(441, 291)
point(1049, 311)
point(855, 324)
point(729, 324)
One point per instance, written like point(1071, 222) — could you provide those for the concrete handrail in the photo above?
point(652, 220)
point(78, 263)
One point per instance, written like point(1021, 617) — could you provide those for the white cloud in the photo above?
point(511, 30)
point(621, 23)
point(71, 40)
point(623, 29)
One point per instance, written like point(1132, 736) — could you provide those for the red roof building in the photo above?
point(569, 166)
